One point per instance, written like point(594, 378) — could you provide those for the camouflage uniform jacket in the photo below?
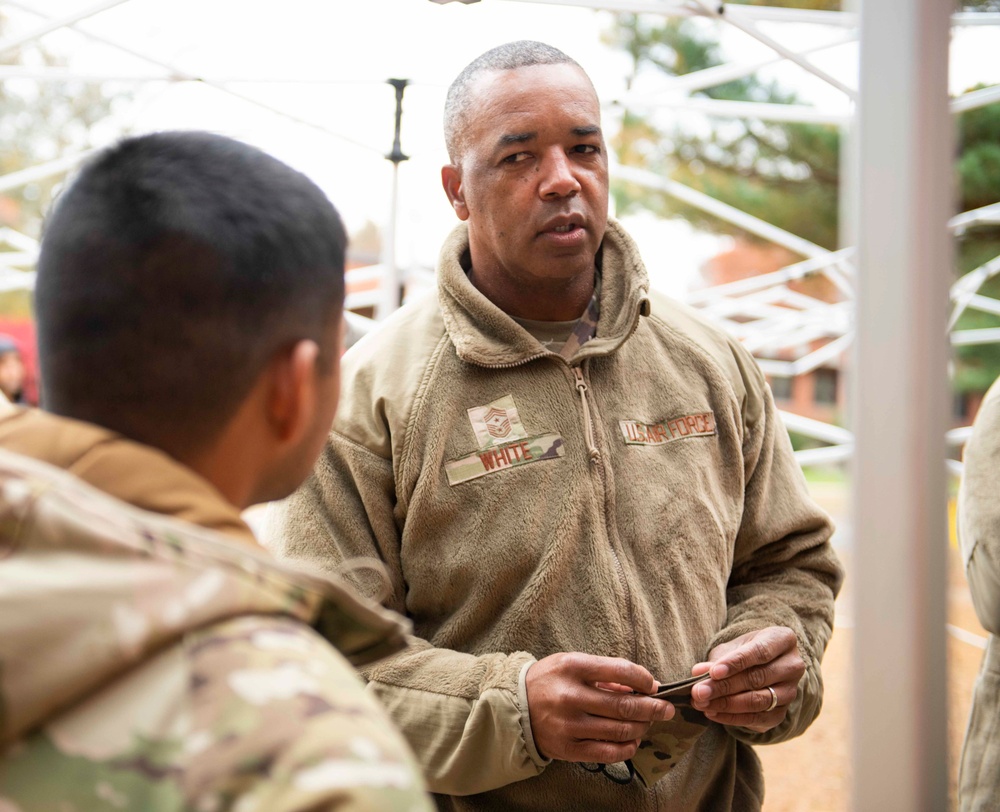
point(634, 496)
point(979, 531)
point(149, 664)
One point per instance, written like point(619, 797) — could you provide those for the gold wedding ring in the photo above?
point(774, 700)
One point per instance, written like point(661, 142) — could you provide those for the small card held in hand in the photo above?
point(679, 689)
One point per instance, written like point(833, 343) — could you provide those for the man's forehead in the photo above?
point(495, 87)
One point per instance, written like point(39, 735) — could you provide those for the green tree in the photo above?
point(40, 121)
point(788, 174)
point(978, 169)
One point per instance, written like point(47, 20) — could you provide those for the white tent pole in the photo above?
point(755, 13)
point(984, 304)
point(798, 270)
point(769, 13)
point(796, 113)
point(899, 399)
point(721, 210)
point(976, 18)
point(58, 73)
point(984, 214)
point(14, 180)
point(984, 335)
point(180, 72)
point(975, 99)
point(964, 291)
point(720, 12)
point(54, 24)
point(815, 428)
point(17, 239)
point(728, 72)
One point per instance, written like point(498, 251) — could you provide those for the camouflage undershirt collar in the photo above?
point(586, 327)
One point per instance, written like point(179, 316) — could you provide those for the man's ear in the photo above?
point(451, 180)
point(292, 398)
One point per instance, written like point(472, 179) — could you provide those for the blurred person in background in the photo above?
point(12, 370)
point(979, 533)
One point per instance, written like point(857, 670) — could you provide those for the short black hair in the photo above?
point(171, 270)
point(509, 56)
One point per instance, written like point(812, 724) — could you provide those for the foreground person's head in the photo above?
point(189, 296)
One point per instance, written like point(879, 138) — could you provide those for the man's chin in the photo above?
point(554, 282)
point(569, 267)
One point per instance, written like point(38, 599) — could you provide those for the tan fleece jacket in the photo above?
point(640, 500)
point(979, 532)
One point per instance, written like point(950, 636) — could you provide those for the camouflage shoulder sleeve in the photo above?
point(281, 722)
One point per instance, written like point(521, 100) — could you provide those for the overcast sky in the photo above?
point(346, 49)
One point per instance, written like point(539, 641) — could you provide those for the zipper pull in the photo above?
point(588, 428)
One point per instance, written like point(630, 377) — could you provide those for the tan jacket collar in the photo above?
point(484, 335)
point(135, 473)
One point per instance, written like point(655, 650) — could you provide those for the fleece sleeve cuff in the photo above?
point(522, 701)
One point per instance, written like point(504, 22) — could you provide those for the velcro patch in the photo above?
point(692, 425)
point(502, 457)
point(497, 423)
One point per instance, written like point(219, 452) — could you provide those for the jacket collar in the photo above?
point(484, 335)
point(132, 472)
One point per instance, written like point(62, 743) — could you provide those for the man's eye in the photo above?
point(516, 158)
point(586, 149)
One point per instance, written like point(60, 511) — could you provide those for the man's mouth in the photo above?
point(562, 225)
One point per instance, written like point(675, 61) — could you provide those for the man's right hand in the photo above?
point(582, 709)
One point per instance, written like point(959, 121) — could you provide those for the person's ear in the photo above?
point(451, 180)
point(292, 395)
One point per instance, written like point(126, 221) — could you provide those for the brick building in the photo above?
point(819, 394)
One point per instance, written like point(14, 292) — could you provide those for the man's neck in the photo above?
point(546, 300)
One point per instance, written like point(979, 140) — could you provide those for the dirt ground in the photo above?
point(812, 773)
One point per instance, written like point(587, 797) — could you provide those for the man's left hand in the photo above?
point(754, 679)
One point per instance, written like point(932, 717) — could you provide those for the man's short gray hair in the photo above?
point(520, 54)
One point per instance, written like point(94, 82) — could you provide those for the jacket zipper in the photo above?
point(588, 425)
point(595, 461)
point(594, 455)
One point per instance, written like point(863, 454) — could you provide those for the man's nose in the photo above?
point(558, 178)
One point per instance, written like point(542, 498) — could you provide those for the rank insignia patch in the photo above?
point(497, 423)
point(636, 432)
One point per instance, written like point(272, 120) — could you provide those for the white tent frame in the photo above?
point(899, 741)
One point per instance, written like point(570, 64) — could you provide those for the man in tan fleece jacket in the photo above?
point(580, 489)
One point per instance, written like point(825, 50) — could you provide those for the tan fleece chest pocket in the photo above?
point(641, 432)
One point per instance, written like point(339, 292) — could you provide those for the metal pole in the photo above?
point(747, 27)
point(899, 401)
point(21, 177)
point(391, 287)
point(727, 72)
point(180, 73)
point(724, 211)
point(796, 113)
point(51, 25)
